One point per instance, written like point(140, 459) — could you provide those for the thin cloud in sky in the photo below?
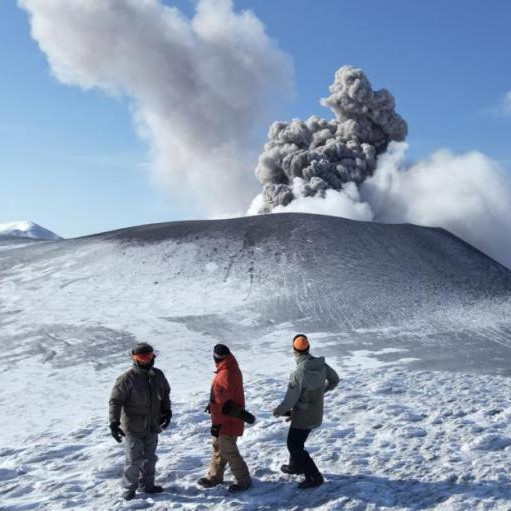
point(199, 86)
point(501, 109)
point(505, 107)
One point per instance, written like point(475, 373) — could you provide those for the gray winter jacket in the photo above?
point(307, 385)
point(139, 399)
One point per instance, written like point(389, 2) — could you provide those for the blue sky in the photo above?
point(72, 161)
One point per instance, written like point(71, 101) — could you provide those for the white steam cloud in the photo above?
point(354, 167)
point(198, 85)
point(467, 194)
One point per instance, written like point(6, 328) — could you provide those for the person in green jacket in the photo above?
point(303, 404)
point(139, 410)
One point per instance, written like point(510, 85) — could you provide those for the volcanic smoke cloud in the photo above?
point(355, 167)
point(327, 155)
point(198, 86)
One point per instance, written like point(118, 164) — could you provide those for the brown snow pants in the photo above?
point(225, 451)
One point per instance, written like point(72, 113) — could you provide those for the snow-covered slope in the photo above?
point(26, 230)
point(389, 305)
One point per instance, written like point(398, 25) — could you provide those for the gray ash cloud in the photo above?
point(328, 154)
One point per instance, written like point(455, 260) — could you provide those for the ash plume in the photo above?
point(329, 154)
point(198, 86)
point(355, 166)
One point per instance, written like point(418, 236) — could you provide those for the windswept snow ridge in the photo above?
point(388, 305)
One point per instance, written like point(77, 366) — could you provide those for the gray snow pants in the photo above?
point(139, 468)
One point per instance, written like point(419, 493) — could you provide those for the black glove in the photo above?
point(208, 408)
point(247, 417)
point(215, 430)
point(233, 410)
point(116, 431)
point(165, 419)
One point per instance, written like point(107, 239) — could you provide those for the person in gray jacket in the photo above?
point(303, 405)
point(140, 409)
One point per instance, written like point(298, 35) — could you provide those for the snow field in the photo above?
point(391, 439)
point(377, 302)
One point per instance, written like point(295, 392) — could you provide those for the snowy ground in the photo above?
point(398, 433)
point(392, 439)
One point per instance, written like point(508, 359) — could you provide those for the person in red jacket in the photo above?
point(226, 399)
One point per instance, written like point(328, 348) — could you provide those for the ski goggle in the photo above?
point(144, 357)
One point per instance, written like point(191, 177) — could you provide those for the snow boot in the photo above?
point(153, 489)
point(206, 482)
point(288, 469)
point(128, 494)
point(311, 482)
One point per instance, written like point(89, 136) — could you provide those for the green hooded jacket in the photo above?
point(307, 386)
point(139, 399)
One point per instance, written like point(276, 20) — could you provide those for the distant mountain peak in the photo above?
point(24, 229)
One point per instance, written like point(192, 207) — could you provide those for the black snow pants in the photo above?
point(299, 459)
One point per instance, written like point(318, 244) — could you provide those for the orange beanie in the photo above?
point(301, 343)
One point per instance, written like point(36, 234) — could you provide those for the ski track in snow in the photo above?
point(391, 439)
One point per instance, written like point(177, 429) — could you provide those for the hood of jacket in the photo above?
point(228, 363)
point(313, 370)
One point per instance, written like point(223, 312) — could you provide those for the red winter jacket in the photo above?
point(227, 384)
